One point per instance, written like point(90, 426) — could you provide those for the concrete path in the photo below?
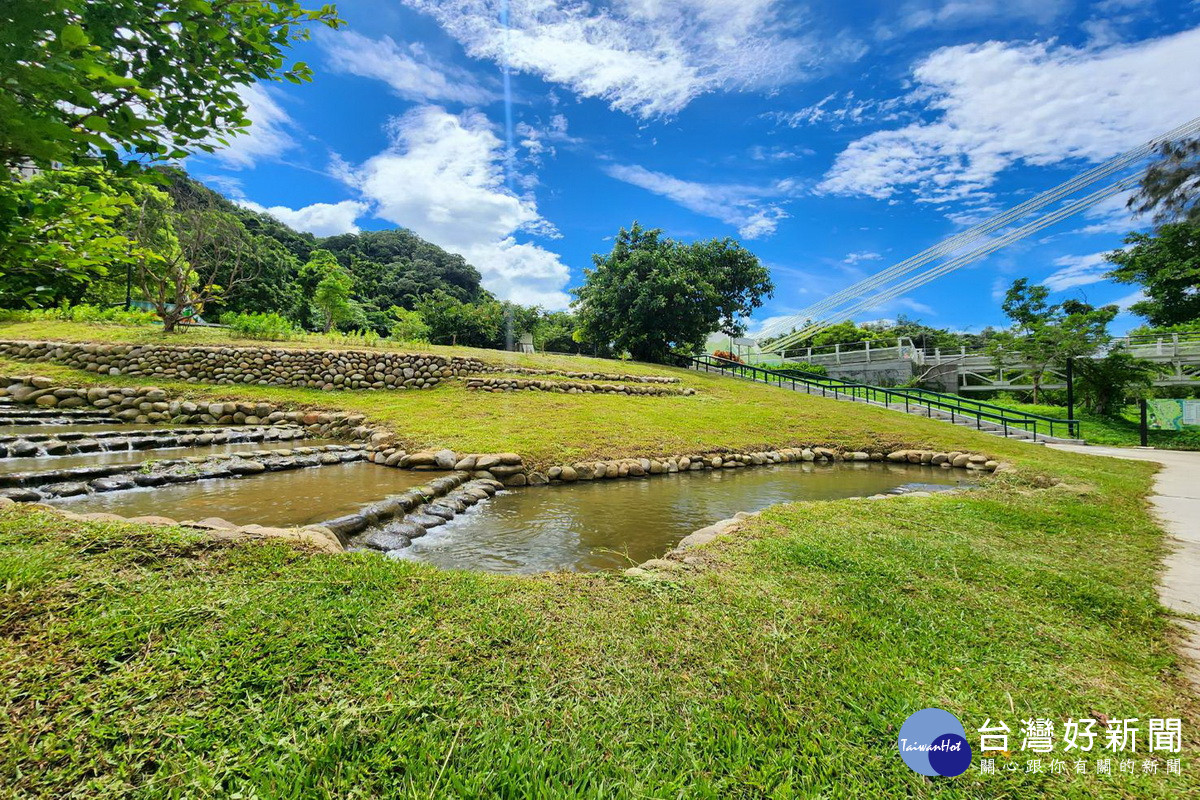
point(1176, 503)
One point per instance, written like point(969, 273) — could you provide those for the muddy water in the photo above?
point(32, 463)
point(608, 524)
point(297, 497)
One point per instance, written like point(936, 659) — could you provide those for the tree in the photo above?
point(331, 290)
point(1166, 264)
point(451, 321)
point(408, 326)
point(1105, 383)
point(653, 297)
point(59, 231)
point(184, 248)
point(1170, 186)
point(148, 78)
point(1045, 334)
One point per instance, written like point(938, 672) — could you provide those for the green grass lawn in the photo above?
point(152, 662)
point(1118, 431)
point(550, 428)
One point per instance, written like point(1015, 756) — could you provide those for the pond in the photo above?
point(613, 524)
point(278, 499)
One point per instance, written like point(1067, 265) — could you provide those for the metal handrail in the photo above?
point(812, 383)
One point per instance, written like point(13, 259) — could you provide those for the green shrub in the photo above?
point(81, 313)
point(272, 327)
point(408, 326)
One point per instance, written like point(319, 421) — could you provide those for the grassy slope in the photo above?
point(144, 658)
point(549, 428)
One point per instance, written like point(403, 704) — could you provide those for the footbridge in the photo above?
point(899, 360)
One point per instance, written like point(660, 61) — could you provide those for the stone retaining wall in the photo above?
point(583, 376)
point(75, 481)
point(148, 404)
point(568, 387)
point(273, 366)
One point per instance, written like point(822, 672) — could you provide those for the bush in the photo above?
point(272, 327)
point(81, 313)
point(728, 356)
point(408, 326)
point(804, 366)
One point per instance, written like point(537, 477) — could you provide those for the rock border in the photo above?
point(571, 387)
point(95, 479)
point(265, 366)
point(583, 376)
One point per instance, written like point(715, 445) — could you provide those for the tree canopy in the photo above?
point(654, 297)
point(1045, 334)
point(1170, 187)
point(1166, 264)
point(146, 79)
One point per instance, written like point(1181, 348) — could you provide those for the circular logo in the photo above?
point(933, 742)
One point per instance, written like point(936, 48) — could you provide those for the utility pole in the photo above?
point(1070, 387)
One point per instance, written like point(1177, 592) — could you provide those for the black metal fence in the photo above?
point(957, 407)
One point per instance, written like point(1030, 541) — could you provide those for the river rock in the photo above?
point(346, 526)
point(113, 484)
point(383, 540)
point(409, 530)
point(960, 460)
point(518, 479)
point(21, 495)
point(425, 520)
point(445, 459)
point(246, 467)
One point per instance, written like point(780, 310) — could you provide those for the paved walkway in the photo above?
point(1176, 503)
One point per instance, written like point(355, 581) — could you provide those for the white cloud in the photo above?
point(837, 111)
point(319, 219)
point(406, 67)
point(1125, 302)
point(1112, 216)
point(760, 153)
point(918, 14)
point(443, 178)
point(1077, 271)
point(734, 204)
point(858, 257)
point(267, 136)
point(644, 57)
point(1038, 104)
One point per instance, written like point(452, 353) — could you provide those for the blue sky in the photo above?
point(832, 138)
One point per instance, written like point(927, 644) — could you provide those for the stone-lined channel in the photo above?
point(613, 524)
point(277, 499)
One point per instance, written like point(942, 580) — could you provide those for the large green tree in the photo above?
point(655, 297)
point(191, 254)
point(1045, 334)
point(1166, 264)
point(59, 233)
point(147, 79)
point(451, 321)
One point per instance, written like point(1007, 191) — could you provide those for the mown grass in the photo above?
point(153, 663)
point(156, 663)
point(1119, 430)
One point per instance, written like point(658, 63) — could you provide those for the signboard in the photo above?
point(743, 341)
point(1173, 415)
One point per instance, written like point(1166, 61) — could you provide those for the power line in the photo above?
point(820, 313)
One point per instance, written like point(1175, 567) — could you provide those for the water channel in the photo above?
point(277, 499)
point(612, 524)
